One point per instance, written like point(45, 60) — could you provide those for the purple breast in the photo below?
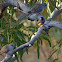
point(43, 21)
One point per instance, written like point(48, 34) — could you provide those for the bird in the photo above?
point(38, 7)
point(23, 7)
point(38, 17)
point(36, 10)
point(32, 14)
point(42, 21)
point(7, 48)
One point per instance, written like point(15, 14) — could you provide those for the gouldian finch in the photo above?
point(42, 21)
point(7, 48)
point(34, 13)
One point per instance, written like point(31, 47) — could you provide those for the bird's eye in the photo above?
point(42, 18)
point(11, 45)
point(45, 4)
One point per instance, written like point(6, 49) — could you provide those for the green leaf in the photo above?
point(54, 46)
point(17, 41)
point(54, 4)
point(38, 51)
point(16, 55)
point(48, 9)
point(27, 50)
point(31, 30)
point(41, 42)
point(46, 38)
point(38, 44)
point(21, 54)
point(56, 59)
point(8, 35)
point(53, 53)
point(49, 43)
point(60, 44)
point(21, 38)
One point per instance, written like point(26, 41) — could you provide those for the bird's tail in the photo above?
point(21, 17)
point(0, 53)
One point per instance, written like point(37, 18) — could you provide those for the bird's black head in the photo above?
point(44, 4)
point(42, 20)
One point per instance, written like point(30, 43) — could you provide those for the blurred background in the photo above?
point(46, 48)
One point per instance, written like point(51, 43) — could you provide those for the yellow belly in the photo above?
point(40, 24)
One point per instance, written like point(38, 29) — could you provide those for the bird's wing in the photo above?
point(38, 7)
point(23, 7)
point(33, 16)
point(5, 49)
point(23, 16)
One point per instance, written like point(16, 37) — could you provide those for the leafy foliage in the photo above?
point(11, 31)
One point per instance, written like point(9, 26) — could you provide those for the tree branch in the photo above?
point(3, 8)
point(13, 3)
point(47, 25)
point(54, 24)
point(56, 12)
